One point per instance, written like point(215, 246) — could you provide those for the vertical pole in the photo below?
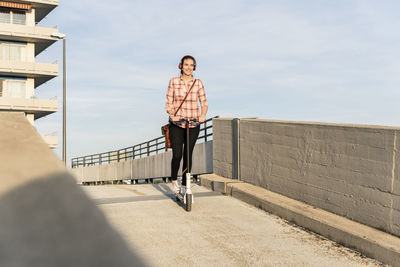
point(187, 150)
point(205, 131)
point(64, 158)
point(157, 146)
point(236, 149)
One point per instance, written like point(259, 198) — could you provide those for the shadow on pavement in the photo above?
point(165, 189)
point(50, 221)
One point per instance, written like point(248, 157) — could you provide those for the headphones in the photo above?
point(187, 57)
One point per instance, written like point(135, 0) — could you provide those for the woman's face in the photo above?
point(188, 66)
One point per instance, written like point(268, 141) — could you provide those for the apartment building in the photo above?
point(21, 40)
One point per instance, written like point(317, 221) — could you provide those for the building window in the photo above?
point(13, 51)
point(13, 88)
point(12, 17)
point(19, 17)
point(5, 16)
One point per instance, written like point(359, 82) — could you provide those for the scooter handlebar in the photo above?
point(189, 120)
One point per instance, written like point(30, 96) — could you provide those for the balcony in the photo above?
point(42, 7)
point(51, 140)
point(38, 107)
point(40, 36)
point(41, 72)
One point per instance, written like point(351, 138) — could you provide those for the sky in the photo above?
point(310, 60)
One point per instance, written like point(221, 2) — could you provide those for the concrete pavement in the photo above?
point(219, 231)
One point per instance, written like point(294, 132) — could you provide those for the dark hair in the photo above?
point(183, 60)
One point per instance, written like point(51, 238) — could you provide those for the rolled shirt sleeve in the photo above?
point(202, 95)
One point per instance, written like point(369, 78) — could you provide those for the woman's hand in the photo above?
point(202, 119)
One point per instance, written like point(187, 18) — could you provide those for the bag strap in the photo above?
point(185, 97)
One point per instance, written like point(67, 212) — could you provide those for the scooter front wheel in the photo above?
point(188, 202)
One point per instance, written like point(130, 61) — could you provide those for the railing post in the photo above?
point(84, 164)
point(236, 149)
point(157, 146)
point(117, 155)
point(148, 148)
point(133, 152)
point(100, 160)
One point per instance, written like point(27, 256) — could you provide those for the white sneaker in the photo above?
point(175, 186)
point(179, 179)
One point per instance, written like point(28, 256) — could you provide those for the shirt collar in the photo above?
point(190, 80)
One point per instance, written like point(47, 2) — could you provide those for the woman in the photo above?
point(177, 90)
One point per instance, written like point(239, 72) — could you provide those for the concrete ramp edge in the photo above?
point(367, 240)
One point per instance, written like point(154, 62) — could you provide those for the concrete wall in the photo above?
point(156, 166)
point(46, 219)
point(30, 18)
point(351, 170)
point(223, 147)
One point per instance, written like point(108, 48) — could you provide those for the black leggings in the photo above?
point(178, 140)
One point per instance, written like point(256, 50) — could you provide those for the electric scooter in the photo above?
point(187, 198)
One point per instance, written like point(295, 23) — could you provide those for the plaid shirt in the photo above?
point(176, 93)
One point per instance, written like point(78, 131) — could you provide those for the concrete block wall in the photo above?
point(395, 215)
point(202, 158)
point(223, 147)
point(351, 170)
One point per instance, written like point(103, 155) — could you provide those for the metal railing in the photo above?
point(145, 149)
